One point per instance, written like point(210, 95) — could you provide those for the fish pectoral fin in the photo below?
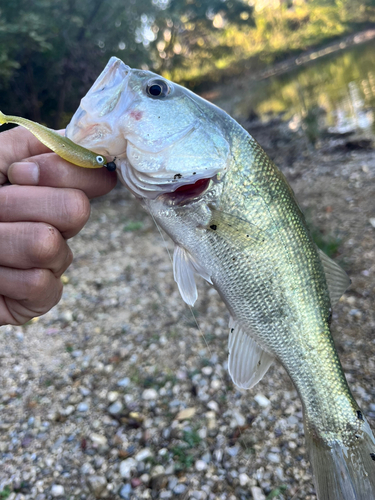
point(184, 269)
point(247, 362)
point(240, 233)
point(337, 279)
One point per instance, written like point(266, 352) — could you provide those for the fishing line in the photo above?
point(171, 260)
point(195, 319)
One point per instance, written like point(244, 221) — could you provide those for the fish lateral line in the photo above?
point(61, 145)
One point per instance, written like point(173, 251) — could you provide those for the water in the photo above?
point(334, 93)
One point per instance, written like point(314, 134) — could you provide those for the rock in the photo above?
point(83, 407)
point(113, 396)
point(116, 408)
point(186, 413)
point(212, 405)
point(124, 382)
point(262, 400)
point(232, 450)
point(200, 465)
point(257, 493)
point(157, 470)
point(149, 394)
point(240, 419)
point(274, 458)
point(127, 466)
point(96, 484)
point(207, 370)
point(98, 439)
point(125, 491)
point(57, 490)
point(179, 489)
point(244, 479)
point(165, 494)
point(143, 454)
point(66, 316)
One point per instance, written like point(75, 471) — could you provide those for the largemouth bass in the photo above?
point(235, 222)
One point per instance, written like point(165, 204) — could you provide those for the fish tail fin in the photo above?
point(3, 118)
point(344, 472)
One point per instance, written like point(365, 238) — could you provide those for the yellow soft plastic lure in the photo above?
point(62, 146)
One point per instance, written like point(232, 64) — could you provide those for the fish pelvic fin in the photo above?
point(184, 269)
point(247, 362)
point(344, 472)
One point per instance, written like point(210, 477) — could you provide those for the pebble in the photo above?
point(82, 407)
point(200, 465)
point(126, 467)
point(125, 491)
point(186, 413)
point(274, 458)
point(98, 439)
point(262, 400)
point(212, 405)
point(149, 394)
point(96, 484)
point(124, 382)
point(113, 396)
point(240, 419)
point(257, 493)
point(57, 490)
point(116, 408)
point(179, 489)
point(244, 479)
point(143, 454)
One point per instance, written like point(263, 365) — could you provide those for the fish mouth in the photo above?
point(144, 169)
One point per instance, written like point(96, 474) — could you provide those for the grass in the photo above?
point(185, 451)
point(133, 226)
point(276, 492)
point(5, 493)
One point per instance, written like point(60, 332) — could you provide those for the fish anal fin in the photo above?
point(337, 279)
point(247, 362)
point(184, 269)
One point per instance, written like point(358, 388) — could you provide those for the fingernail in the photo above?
point(24, 172)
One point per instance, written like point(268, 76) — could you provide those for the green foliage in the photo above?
point(5, 493)
point(133, 226)
point(185, 453)
point(51, 51)
point(276, 492)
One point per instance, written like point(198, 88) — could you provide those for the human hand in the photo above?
point(47, 204)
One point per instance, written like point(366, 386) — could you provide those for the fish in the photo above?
point(61, 145)
point(236, 223)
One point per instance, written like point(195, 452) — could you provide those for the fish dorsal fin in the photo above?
point(337, 279)
point(184, 268)
point(247, 362)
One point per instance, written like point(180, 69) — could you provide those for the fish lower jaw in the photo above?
point(170, 186)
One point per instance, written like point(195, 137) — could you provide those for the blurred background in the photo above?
point(51, 51)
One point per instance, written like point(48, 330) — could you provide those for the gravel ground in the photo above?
point(121, 392)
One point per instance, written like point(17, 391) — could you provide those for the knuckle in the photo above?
point(38, 284)
point(77, 208)
point(46, 244)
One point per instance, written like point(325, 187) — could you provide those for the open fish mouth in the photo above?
point(144, 168)
point(162, 140)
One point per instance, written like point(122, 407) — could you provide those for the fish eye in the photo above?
point(100, 159)
point(157, 88)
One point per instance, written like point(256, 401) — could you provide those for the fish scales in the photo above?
point(235, 222)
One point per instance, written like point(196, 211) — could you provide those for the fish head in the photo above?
point(164, 137)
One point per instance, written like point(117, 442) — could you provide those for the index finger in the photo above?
point(15, 145)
